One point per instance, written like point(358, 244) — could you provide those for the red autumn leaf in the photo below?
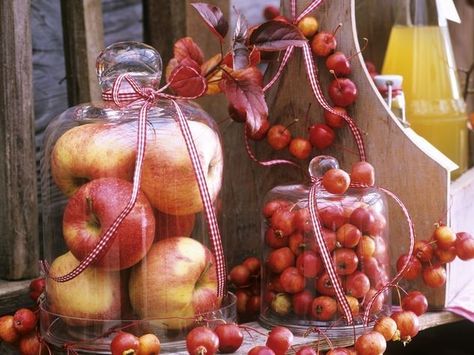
point(240, 52)
point(276, 36)
point(187, 48)
point(186, 79)
point(243, 89)
point(254, 58)
point(214, 18)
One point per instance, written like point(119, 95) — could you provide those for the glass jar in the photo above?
point(297, 290)
point(419, 49)
point(160, 264)
point(390, 87)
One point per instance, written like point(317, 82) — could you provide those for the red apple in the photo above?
point(342, 91)
point(345, 260)
point(275, 239)
point(378, 303)
point(445, 256)
point(348, 235)
point(323, 308)
point(124, 343)
point(464, 246)
point(253, 304)
point(321, 136)
point(338, 63)
point(309, 264)
point(332, 216)
point(324, 285)
point(270, 12)
point(333, 120)
point(253, 264)
point(357, 284)
point(282, 222)
point(323, 44)
point(308, 26)
point(24, 320)
point(444, 237)
point(243, 297)
point(300, 148)
point(94, 294)
point(278, 136)
point(362, 218)
point(30, 344)
point(366, 247)
point(363, 173)
point(149, 344)
point(291, 280)
point(279, 340)
point(423, 250)
point(8, 333)
point(413, 269)
point(188, 270)
point(168, 225)
point(416, 302)
point(280, 259)
point(302, 220)
point(261, 350)
point(302, 303)
point(274, 205)
point(407, 323)
point(354, 306)
point(36, 288)
point(434, 275)
point(239, 275)
point(336, 181)
point(90, 212)
point(371, 343)
point(387, 327)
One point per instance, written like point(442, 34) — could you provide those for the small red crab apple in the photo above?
point(321, 136)
point(416, 302)
point(124, 342)
point(308, 26)
point(261, 350)
point(342, 91)
point(239, 275)
point(464, 246)
point(387, 327)
point(407, 323)
point(434, 276)
point(24, 320)
point(230, 337)
point(413, 269)
point(444, 237)
point(149, 344)
point(279, 340)
point(333, 120)
point(323, 44)
point(8, 333)
point(202, 340)
point(278, 136)
point(371, 343)
point(363, 173)
point(300, 148)
point(336, 181)
point(339, 63)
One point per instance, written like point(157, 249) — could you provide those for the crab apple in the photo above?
point(261, 350)
point(36, 288)
point(371, 343)
point(332, 216)
point(253, 264)
point(274, 205)
point(323, 308)
point(8, 333)
point(282, 222)
point(363, 172)
point(330, 239)
point(24, 320)
point(464, 246)
point(381, 251)
point(275, 284)
point(306, 350)
point(297, 243)
point(124, 343)
point(366, 247)
point(445, 256)
point(357, 284)
point(270, 12)
point(309, 264)
point(333, 120)
point(239, 275)
point(348, 235)
point(280, 259)
point(345, 260)
point(323, 44)
point(444, 237)
point(377, 304)
point(149, 344)
point(423, 251)
point(413, 268)
point(338, 351)
point(236, 114)
point(302, 220)
point(279, 340)
point(324, 285)
point(308, 26)
point(281, 304)
point(278, 136)
point(253, 304)
point(354, 306)
point(342, 91)
point(30, 344)
point(370, 266)
point(261, 132)
point(230, 337)
point(434, 275)
point(300, 148)
point(362, 218)
point(379, 224)
point(243, 297)
point(321, 136)
point(416, 302)
point(387, 327)
point(292, 281)
point(407, 323)
point(275, 240)
point(371, 67)
point(302, 303)
point(202, 340)
point(336, 181)
point(338, 63)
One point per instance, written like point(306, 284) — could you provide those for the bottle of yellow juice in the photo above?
point(420, 50)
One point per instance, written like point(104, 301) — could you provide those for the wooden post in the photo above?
point(18, 193)
point(83, 41)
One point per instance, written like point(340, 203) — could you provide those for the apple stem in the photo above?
point(201, 350)
point(306, 117)
point(249, 328)
point(336, 78)
point(319, 332)
point(399, 295)
point(292, 123)
point(366, 42)
point(337, 28)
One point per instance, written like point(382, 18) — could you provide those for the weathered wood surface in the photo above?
point(83, 33)
point(18, 199)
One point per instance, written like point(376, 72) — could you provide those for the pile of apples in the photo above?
point(21, 328)
point(430, 256)
point(296, 284)
point(342, 92)
point(153, 255)
point(245, 279)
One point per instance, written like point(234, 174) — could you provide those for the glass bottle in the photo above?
point(419, 49)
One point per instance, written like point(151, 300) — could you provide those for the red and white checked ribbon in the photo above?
point(328, 261)
point(146, 97)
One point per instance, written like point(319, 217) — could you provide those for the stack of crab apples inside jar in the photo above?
point(296, 288)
